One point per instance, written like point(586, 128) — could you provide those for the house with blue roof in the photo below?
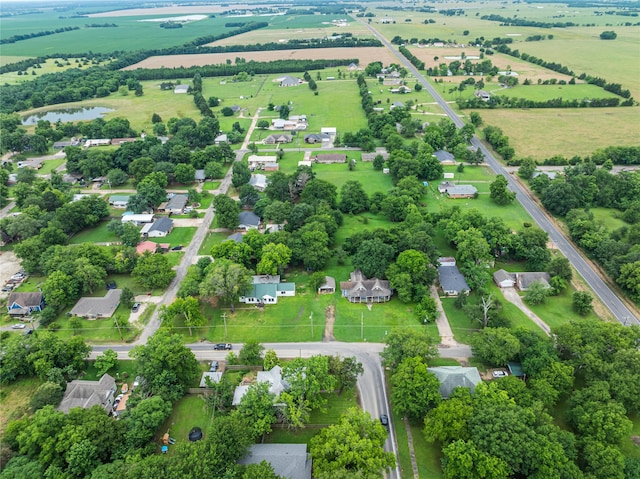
point(266, 289)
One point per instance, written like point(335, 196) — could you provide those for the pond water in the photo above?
point(67, 114)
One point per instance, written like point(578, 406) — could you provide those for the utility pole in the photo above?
point(311, 319)
point(361, 326)
point(118, 326)
point(224, 318)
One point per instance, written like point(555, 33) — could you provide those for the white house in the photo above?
point(266, 289)
point(137, 220)
point(158, 229)
point(256, 161)
point(258, 181)
point(181, 89)
point(119, 201)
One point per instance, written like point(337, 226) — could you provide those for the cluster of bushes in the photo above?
point(415, 61)
point(457, 67)
point(499, 141)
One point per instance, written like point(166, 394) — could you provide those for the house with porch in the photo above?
point(93, 308)
point(452, 377)
point(359, 289)
point(86, 394)
point(452, 280)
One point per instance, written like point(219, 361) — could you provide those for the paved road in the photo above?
point(617, 307)
point(371, 384)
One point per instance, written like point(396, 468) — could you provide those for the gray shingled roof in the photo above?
point(249, 218)
point(98, 307)
point(86, 394)
point(459, 190)
point(178, 202)
point(442, 155)
point(289, 461)
point(451, 377)
point(163, 224)
point(451, 279)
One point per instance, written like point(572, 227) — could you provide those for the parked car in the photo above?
point(112, 285)
point(7, 288)
point(136, 307)
point(137, 382)
point(222, 347)
point(213, 367)
point(500, 374)
point(384, 420)
point(19, 326)
point(177, 248)
point(28, 331)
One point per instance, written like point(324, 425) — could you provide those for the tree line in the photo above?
point(501, 101)
point(415, 61)
point(27, 36)
point(522, 22)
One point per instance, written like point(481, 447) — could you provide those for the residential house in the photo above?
point(332, 131)
point(328, 287)
point(146, 247)
point(460, 191)
point(176, 204)
point(447, 261)
point(221, 139)
point(353, 67)
point(120, 141)
point(137, 219)
point(258, 162)
point(97, 142)
point(213, 377)
point(328, 158)
point(248, 220)
point(444, 157)
point(452, 281)
point(273, 227)
point(552, 175)
point(59, 145)
point(92, 308)
point(265, 289)
point(449, 176)
point(180, 89)
point(23, 304)
point(372, 156)
point(235, 108)
point(271, 167)
point(86, 394)
point(119, 201)
point(289, 461)
point(359, 289)
point(273, 377)
point(34, 163)
point(287, 81)
point(504, 279)
point(79, 196)
point(305, 163)
point(200, 176)
point(482, 94)
point(396, 104)
point(158, 229)
point(515, 369)
point(401, 89)
point(525, 280)
point(277, 138)
point(452, 377)
point(258, 181)
point(316, 138)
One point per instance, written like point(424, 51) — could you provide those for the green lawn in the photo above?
point(336, 406)
point(463, 329)
point(189, 412)
point(178, 236)
point(14, 400)
point(50, 165)
point(97, 234)
point(354, 224)
point(428, 456)
point(205, 200)
point(210, 240)
point(210, 185)
point(371, 180)
point(558, 310)
point(608, 217)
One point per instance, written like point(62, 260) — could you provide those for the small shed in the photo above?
point(181, 89)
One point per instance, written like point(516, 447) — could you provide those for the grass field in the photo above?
point(558, 310)
point(542, 133)
point(549, 92)
point(211, 185)
point(131, 34)
point(210, 240)
point(50, 165)
point(125, 370)
point(609, 218)
point(189, 412)
point(338, 174)
point(178, 236)
point(97, 234)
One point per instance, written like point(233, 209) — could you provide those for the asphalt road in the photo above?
point(609, 298)
point(371, 385)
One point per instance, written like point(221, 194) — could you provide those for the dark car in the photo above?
point(177, 248)
point(213, 367)
point(112, 285)
point(136, 307)
point(222, 347)
point(384, 420)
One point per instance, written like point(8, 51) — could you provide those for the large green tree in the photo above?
point(153, 271)
point(353, 445)
point(408, 343)
point(500, 191)
point(226, 280)
point(414, 390)
point(227, 211)
point(495, 346)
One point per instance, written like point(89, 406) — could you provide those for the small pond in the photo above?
point(67, 114)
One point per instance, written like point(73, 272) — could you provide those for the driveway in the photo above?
point(511, 295)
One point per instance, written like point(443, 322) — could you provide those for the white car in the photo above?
point(500, 374)
point(19, 326)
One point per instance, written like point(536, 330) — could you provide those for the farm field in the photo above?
point(542, 133)
point(366, 55)
point(549, 92)
point(131, 34)
point(48, 66)
point(280, 32)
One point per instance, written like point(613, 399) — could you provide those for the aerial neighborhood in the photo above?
point(320, 241)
